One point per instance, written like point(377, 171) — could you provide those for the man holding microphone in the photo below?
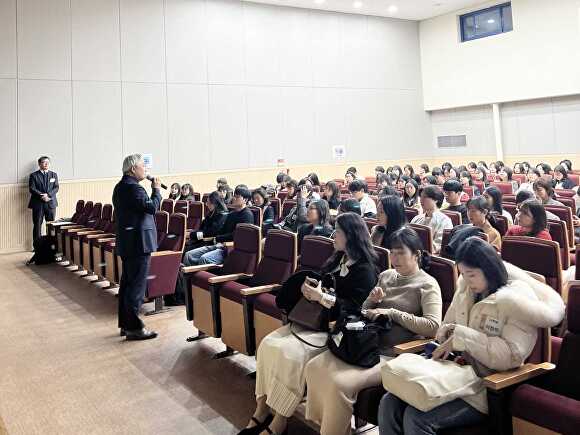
point(136, 240)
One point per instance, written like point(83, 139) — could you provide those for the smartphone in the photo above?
point(312, 282)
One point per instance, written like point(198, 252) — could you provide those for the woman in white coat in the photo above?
point(493, 322)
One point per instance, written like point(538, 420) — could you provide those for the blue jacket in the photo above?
point(135, 218)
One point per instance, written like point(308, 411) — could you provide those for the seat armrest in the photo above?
point(200, 268)
point(99, 235)
point(251, 291)
point(104, 239)
point(88, 232)
point(231, 277)
point(228, 244)
point(499, 381)
point(164, 253)
point(414, 346)
point(209, 239)
point(76, 230)
point(70, 227)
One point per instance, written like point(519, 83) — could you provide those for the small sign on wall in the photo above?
point(148, 161)
point(281, 162)
point(339, 152)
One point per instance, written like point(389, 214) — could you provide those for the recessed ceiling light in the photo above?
point(357, 4)
point(319, 2)
point(490, 21)
point(393, 9)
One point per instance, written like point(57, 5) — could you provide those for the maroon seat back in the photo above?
point(196, 196)
point(424, 233)
point(566, 193)
point(161, 223)
point(509, 198)
point(204, 198)
point(174, 240)
point(468, 190)
point(455, 216)
point(276, 204)
point(78, 210)
point(383, 258)
point(568, 202)
point(257, 212)
point(411, 213)
point(565, 214)
point(510, 207)
point(195, 215)
point(106, 217)
point(282, 195)
point(520, 178)
point(577, 277)
point(279, 259)
point(167, 205)
point(480, 185)
point(505, 187)
point(535, 255)
point(245, 256)
point(502, 223)
point(181, 206)
point(95, 216)
point(445, 272)
point(315, 251)
point(559, 233)
point(574, 177)
point(287, 205)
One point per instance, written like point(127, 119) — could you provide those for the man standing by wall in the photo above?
point(43, 186)
point(136, 240)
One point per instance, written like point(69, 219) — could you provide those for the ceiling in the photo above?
point(404, 9)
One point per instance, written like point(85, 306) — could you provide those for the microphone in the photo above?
point(150, 178)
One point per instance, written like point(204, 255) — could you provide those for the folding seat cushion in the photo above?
point(559, 233)
point(195, 215)
point(52, 227)
point(82, 238)
point(167, 205)
point(161, 224)
point(425, 235)
point(91, 222)
point(80, 223)
point(455, 216)
point(181, 206)
point(410, 213)
point(535, 255)
point(551, 403)
point(96, 241)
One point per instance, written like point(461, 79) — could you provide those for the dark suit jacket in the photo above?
point(135, 211)
point(38, 184)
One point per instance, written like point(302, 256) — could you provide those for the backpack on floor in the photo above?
point(44, 250)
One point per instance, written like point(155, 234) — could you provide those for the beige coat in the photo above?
point(500, 331)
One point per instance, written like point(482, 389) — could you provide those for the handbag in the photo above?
point(356, 341)
point(426, 383)
point(312, 315)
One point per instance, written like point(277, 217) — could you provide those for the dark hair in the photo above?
point(518, 164)
point(243, 191)
point(350, 205)
point(538, 213)
point(497, 198)
point(351, 174)
point(189, 187)
point(472, 165)
point(524, 195)
point(323, 210)
point(380, 169)
point(292, 183)
point(385, 177)
point(171, 196)
point(481, 204)
point(222, 181)
point(410, 168)
point(508, 172)
point(262, 192)
point(42, 159)
point(335, 190)
point(535, 171)
point(425, 167)
point(465, 174)
point(436, 171)
point(406, 237)
point(217, 201)
point(352, 170)
point(434, 193)
point(482, 163)
point(568, 163)
point(398, 168)
point(562, 170)
point(411, 200)
point(446, 166)
point(357, 186)
point(499, 164)
point(176, 184)
point(453, 186)
point(540, 182)
point(314, 179)
point(526, 165)
point(358, 242)
point(457, 172)
point(389, 190)
point(479, 254)
point(462, 168)
point(394, 209)
point(431, 179)
point(280, 177)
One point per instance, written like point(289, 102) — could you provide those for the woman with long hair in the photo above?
point(531, 221)
point(332, 195)
point(480, 216)
point(411, 195)
point(495, 199)
point(391, 217)
point(174, 191)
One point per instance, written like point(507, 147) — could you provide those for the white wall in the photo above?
point(539, 58)
point(203, 85)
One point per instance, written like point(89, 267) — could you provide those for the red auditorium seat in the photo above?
point(565, 214)
point(287, 205)
point(167, 205)
point(195, 215)
point(79, 237)
point(80, 222)
point(181, 206)
point(455, 216)
point(92, 259)
point(52, 227)
point(410, 213)
point(559, 233)
point(90, 224)
point(425, 235)
point(506, 187)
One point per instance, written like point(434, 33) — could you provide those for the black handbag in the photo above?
point(358, 347)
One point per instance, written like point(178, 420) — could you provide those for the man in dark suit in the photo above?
point(43, 186)
point(136, 240)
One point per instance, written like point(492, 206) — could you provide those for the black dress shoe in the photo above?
point(122, 333)
point(140, 334)
point(260, 426)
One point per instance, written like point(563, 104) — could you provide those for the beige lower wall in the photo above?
point(16, 218)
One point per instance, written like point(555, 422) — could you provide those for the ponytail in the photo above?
point(424, 260)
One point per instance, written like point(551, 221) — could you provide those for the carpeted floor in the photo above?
point(65, 370)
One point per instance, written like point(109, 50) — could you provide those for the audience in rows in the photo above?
point(431, 216)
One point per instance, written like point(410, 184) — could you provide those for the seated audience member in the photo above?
point(453, 191)
point(297, 215)
point(423, 169)
point(408, 171)
point(291, 189)
point(454, 174)
point(332, 195)
point(282, 358)
point(214, 254)
point(400, 184)
point(439, 176)
point(212, 223)
point(544, 169)
point(314, 194)
point(480, 216)
point(355, 173)
point(545, 192)
point(524, 195)
point(379, 170)
point(396, 172)
point(531, 176)
point(411, 195)
point(445, 168)
point(532, 221)
point(430, 180)
point(318, 217)
point(260, 199)
point(349, 205)
point(313, 177)
point(411, 299)
point(349, 177)
point(431, 202)
point(385, 180)
point(561, 180)
point(525, 167)
point(281, 179)
point(186, 192)
point(567, 164)
point(495, 199)
point(505, 175)
point(467, 181)
point(480, 174)
point(367, 205)
point(391, 216)
point(525, 305)
point(471, 167)
point(518, 169)
point(389, 190)
point(174, 191)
